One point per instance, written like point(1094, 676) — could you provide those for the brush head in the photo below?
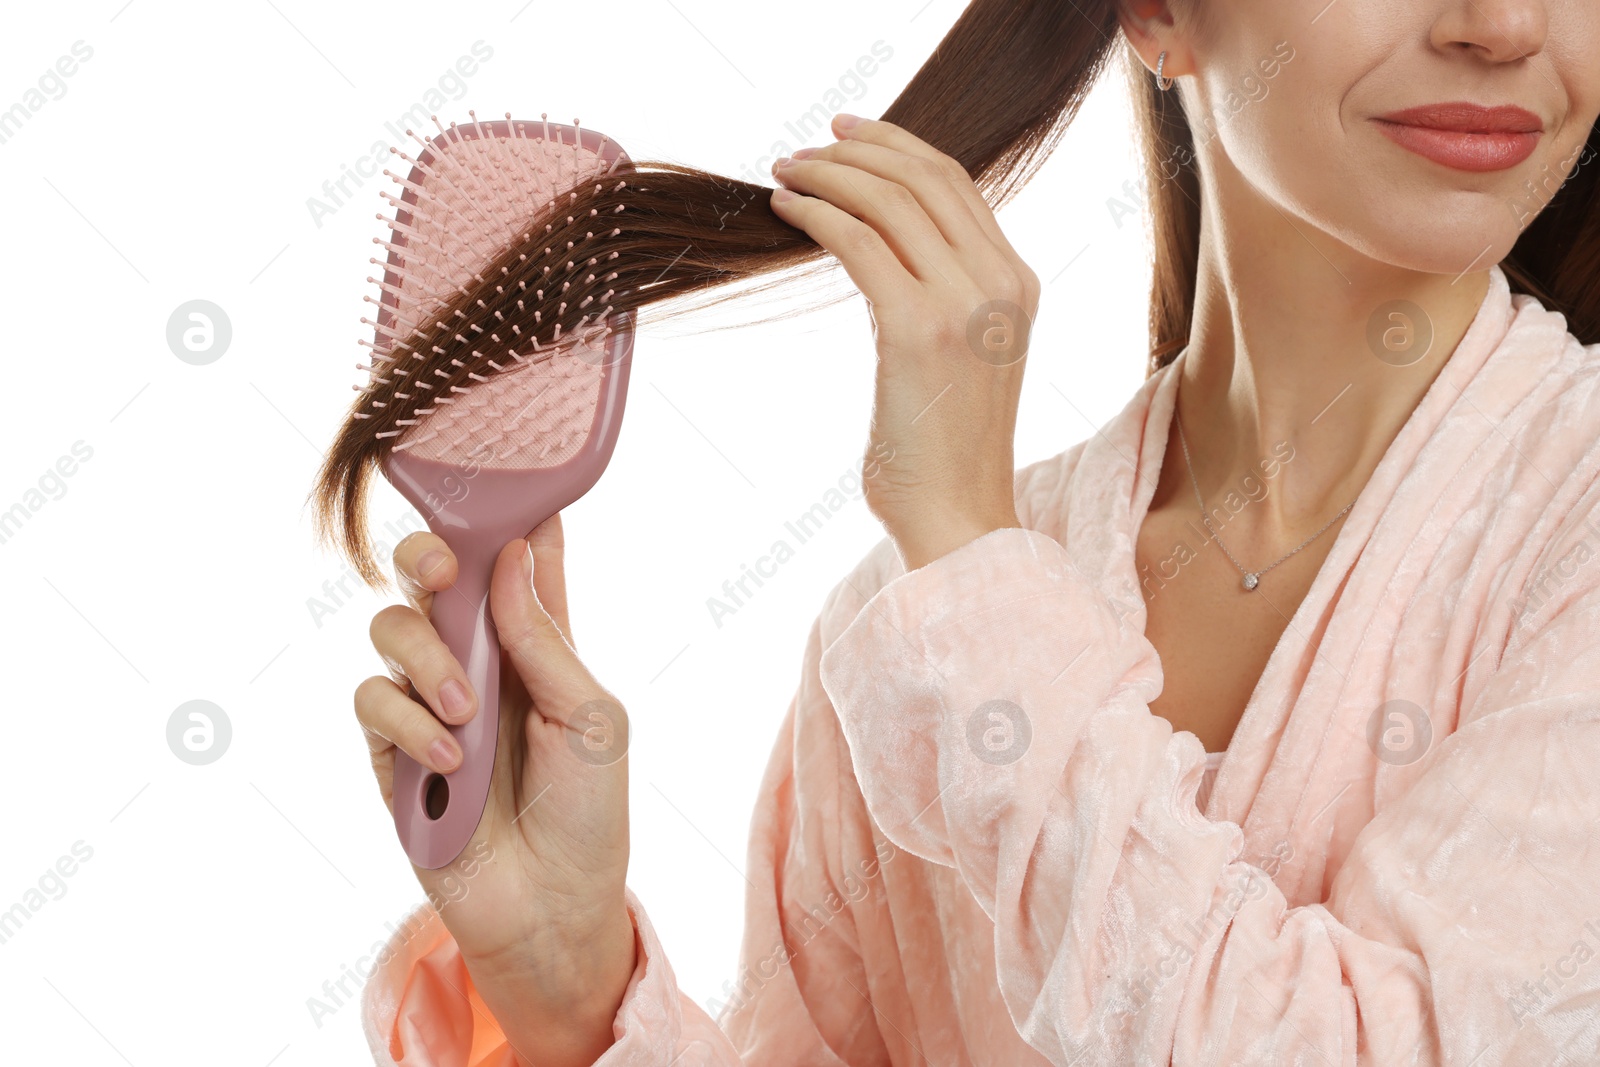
point(498, 385)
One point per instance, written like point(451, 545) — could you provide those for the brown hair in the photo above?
point(996, 95)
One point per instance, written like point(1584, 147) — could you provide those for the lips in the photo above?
point(1465, 136)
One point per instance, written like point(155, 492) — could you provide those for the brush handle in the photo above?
point(476, 511)
point(435, 822)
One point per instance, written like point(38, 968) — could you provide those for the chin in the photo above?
point(1441, 232)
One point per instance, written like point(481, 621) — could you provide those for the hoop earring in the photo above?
point(1163, 83)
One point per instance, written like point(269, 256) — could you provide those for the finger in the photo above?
point(888, 135)
point(423, 564)
point(1005, 274)
point(549, 571)
point(936, 189)
point(389, 717)
point(888, 207)
point(556, 680)
point(413, 650)
point(869, 261)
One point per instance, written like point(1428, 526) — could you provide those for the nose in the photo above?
point(1500, 31)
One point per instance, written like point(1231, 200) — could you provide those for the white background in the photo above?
point(177, 562)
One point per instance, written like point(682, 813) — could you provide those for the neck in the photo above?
point(1280, 357)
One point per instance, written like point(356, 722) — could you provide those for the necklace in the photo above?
point(1251, 578)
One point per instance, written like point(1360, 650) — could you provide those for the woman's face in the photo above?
point(1290, 96)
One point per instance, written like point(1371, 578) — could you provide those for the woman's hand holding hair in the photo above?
point(951, 304)
point(536, 900)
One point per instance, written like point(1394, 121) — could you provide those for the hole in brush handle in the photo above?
point(435, 796)
point(435, 786)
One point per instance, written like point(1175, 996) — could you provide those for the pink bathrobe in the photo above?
point(976, 845)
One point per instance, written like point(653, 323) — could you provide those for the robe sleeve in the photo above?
point(996, 708)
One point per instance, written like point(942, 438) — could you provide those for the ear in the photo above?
point(1149, 28)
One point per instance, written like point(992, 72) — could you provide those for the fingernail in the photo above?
point(847, 121)
point(803, 153)
point(783, 196)
point(444, 755)
point(781, 162)
point(429, 562)
point(455, 698)
point(527, 564)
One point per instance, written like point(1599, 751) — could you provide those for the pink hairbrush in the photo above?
point(487, 457)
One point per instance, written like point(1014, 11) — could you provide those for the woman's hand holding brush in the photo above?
point(952, 305)
point(536, 901)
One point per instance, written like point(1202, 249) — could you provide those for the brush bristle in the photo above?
point(501, 383)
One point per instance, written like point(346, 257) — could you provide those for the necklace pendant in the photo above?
point(1251, 581)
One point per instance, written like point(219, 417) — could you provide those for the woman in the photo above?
point(988, 832)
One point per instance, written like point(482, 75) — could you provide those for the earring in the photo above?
point(1163, 83)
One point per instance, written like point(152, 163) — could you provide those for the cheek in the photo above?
point(1286, 140)
point(1293, 149)
point(1574, 40)
point(1259, 90)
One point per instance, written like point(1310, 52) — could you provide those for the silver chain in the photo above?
point(1251, 578)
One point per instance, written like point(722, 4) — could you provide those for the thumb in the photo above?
point(549, 667)
point(549, 568)
point(561, 688)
